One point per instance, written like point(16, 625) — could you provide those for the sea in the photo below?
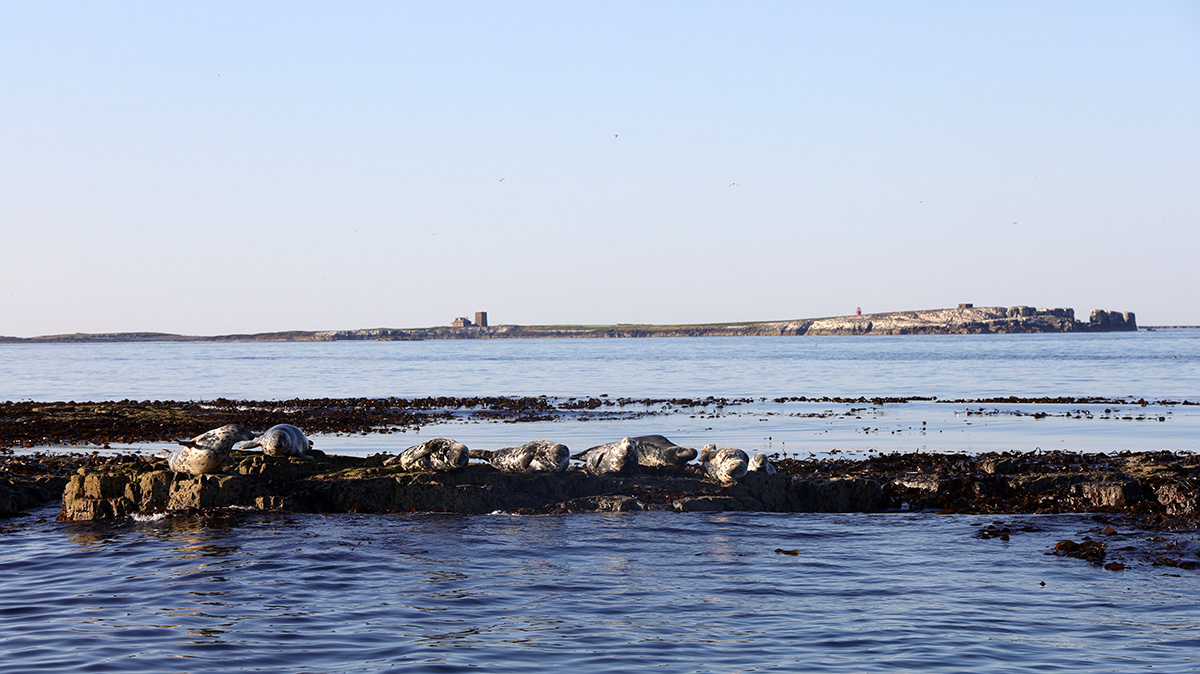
point(245, 591)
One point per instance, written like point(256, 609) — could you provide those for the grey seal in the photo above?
point(651, 451)
point(538, 456)
point(208, 452)
point(614, 458)
point(760, 464)
point(282, 440)
point(655, 451)
point(725, 465)
point(436, 454)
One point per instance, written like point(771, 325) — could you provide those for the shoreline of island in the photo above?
point(965, 319)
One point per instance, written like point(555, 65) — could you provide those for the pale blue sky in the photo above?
point(219, 167)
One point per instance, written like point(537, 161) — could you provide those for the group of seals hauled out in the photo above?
point(209, 453)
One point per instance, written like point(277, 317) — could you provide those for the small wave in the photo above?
point(153, 517)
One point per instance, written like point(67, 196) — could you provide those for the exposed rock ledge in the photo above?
point(1159, 482)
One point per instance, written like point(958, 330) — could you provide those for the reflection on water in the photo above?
point(679, 592)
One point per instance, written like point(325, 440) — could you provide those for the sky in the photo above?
point(228, 167)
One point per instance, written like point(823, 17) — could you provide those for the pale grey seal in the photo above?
point(614, 458)
point(208, 452)
point(282, 440)
point(538, 456)
point(436, 454)
point(760, 464)
point(725, 465)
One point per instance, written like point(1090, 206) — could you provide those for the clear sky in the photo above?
point(217, 167)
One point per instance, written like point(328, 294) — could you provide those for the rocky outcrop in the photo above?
point(1112, 321)
point(346, 484)
point(1159, 482)
point(19, 495)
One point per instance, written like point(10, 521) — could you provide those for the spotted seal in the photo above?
point(614, 458)
point(208, 452)
point(436, 454)
point(760, 464)
point(725, 465)
point(282, 440)
point(538, 456)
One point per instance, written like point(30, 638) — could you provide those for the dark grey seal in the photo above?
point(655, 451)
point(436, 454)
point(538, 456)
point(651, 451)
point(208, 452)
point(282, 440)
point(725, 465)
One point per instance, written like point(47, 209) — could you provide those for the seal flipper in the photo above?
point(526, 459)
point(485, 454)
point(187, 443)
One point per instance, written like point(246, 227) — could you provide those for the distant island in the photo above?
point(965, 319)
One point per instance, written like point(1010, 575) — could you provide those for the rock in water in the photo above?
point(282, 440)
point(208, 452)
point(614, 458)
point(538, 456)
point(437, 454)
point(725, 465)
point(760, 464)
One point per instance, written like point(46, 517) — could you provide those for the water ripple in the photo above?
point(676, 593)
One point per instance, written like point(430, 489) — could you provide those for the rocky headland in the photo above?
point(965, 319)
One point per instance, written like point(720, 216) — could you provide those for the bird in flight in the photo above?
point(734, 185)
point(500, 180)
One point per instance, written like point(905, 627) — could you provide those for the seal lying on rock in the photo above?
point(437, 454)
point(208, 452)
point(655, 451)
point(538, 456)
point(652, 451)
point(282, 440)
point(760, 464)
point(725, 464)
point(614, 458)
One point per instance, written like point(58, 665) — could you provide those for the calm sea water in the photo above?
point(1160, 364)
point(897, 592)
